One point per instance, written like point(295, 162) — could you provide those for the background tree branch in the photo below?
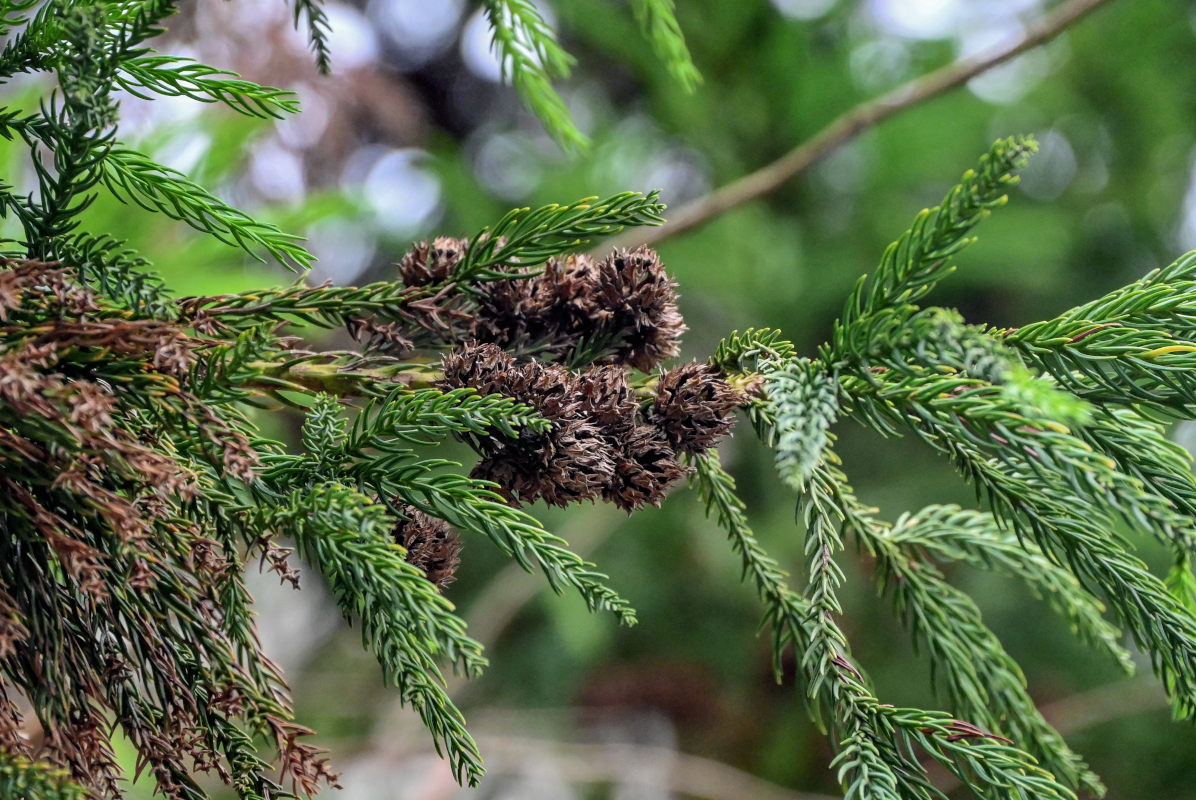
point(851, 124)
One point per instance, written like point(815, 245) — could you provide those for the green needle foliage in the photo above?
point(532, 58)
point(135, 485)
point(1059, 425)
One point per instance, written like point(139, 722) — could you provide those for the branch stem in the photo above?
point(851, 124)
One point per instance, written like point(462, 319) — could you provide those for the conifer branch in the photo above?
point(805, 403)
point(474, 506)
point(326, 306)
point(15, 13)
point(657, 19)
point(913, 264)
point(171, 76)
point(531, 58)
point(425, 415)
point(1135, 345)
point(525, 238)
point(134, 178)
point(982, 682)
point(949, 533)
point(1022, 483)
point(785, 610)
point(318, 29)
point(346, 537)
point(958, 631)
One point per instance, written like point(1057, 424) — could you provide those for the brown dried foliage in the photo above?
point(111, 602)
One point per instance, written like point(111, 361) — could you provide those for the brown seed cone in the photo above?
point(431, 263)
point(571, 462)
point(608, 400)
point(645, 468)
point(694, 407)
point(484, 367)
point(622, 310)
point(643, 299)
point(431, 545)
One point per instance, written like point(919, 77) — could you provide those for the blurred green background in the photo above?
point(414, 136)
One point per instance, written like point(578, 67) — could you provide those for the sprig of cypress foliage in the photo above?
point(171, 76)
point(658, 21)
point(1056, 426)
point(475, 507)
point(805, 402)
point(404, 621)
point(526, 238)
point(15, 13)
point(950, 533)
point(311, 13)
point(135, 178)
point(1132, 346)
point(982, 682)
point(531, 58)
point(918, 260)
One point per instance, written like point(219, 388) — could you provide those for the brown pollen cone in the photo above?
point(431, 545)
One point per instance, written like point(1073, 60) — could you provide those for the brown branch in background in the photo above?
point(851, 124)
